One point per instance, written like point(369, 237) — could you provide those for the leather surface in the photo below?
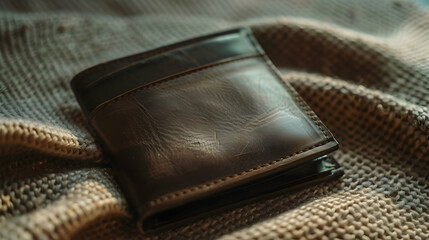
point(206, 129)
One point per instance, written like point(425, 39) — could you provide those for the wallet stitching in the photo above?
point(140, 88)
point(139, 57)
point(303, 105)
point(171, 196)
point(309, 113)
point(289, 89)
point(183, 192)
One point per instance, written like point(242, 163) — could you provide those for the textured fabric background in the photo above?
point(363, 66)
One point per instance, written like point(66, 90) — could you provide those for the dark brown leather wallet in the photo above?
point(202, 125)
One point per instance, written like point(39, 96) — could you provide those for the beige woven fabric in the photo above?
point(363, 66)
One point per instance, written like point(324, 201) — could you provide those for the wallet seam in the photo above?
point(288, 88)
point(130, 59)
point(170, 78)
point(308, 111)
point(176, 194)
point(303, 105)
point(138, 57)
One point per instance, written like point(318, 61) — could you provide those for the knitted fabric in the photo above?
point(363, 67)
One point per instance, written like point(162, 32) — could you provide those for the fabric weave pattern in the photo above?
point(363, 67)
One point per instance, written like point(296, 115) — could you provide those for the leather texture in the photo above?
point(197, 119)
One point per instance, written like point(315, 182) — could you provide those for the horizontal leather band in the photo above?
point(210, 50)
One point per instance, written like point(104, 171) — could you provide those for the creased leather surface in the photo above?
point(362, 66)
point(204, 131)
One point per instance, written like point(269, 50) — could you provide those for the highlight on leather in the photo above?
point(208, 120)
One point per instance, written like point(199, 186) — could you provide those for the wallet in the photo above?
point(203, 125)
